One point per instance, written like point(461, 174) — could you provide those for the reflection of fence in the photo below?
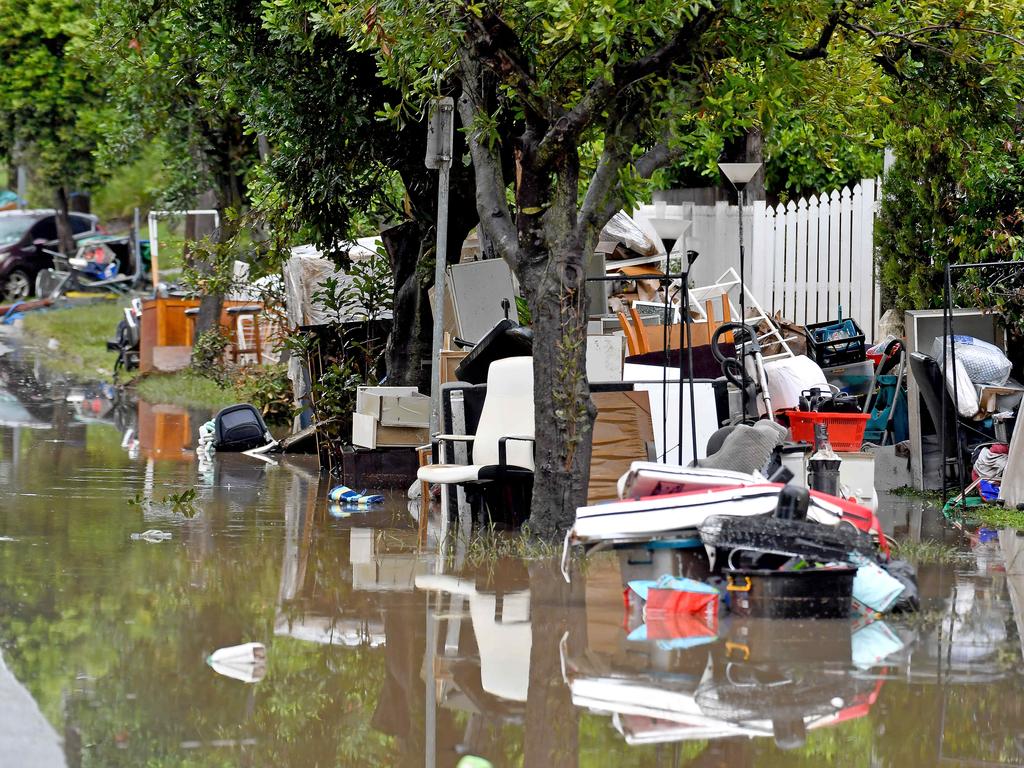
point(805, 259)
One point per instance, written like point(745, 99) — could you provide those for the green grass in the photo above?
point(81, 332)
point(905, 491)
point(184, 388)
point(925, 552)
point(993, 516)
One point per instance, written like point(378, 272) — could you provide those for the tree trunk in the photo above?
point(563, 412)
point(410, 338)
point(228, 144)
point(65, 237)
point(755, 154)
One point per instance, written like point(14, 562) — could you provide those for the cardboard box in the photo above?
point(394, 406)
point(367, 432)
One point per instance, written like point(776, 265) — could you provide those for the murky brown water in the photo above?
point(382, 652)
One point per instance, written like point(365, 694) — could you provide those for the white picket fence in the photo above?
point(809, 259)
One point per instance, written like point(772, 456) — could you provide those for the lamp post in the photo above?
point(739, 175)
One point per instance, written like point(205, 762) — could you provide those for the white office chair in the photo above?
point(502, 448)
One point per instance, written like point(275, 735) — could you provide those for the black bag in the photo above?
point(240, 428)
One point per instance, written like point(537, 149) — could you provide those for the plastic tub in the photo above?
point(821, 593)
point(845, 430)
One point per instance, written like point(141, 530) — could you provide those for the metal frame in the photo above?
point(154, 244)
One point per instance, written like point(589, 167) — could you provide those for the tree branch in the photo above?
point(498, 46)
point(495, 217)
point(601, 92)
point(820, 49)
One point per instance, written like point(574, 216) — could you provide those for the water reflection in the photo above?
point(383, 651)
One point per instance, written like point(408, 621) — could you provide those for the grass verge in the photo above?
point(184, 388)
point(81, 332)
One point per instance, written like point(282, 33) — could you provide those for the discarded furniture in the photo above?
point(623, 433)
point(244, 333)
point(922, 328)
point(168, 329)
point(501, 449)
point(642, 338)
point(927, 375)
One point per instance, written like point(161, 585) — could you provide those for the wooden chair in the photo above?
point(641, 338)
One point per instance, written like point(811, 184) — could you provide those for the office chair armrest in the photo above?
point(503, 448)
point(437, 440)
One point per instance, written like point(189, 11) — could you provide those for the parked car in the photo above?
point(23, 237)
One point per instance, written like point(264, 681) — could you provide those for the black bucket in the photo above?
point(820, 593)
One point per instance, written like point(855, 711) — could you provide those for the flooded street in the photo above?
point(381, 651)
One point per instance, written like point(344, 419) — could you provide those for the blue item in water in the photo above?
point(989, 490)
point(350, 498)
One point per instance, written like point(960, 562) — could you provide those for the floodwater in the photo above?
point(381, 651)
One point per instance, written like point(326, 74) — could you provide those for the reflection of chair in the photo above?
point(958, 446)
point(504, 637)
point(502, 448)
point(642, 338)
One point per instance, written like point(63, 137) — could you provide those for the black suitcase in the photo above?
point(240, 428)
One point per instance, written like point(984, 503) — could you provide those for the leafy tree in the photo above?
point(954, 194)
point(650, 79)
point(154, 51)
point(50, 96)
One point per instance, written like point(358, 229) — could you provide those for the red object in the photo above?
point(665, 602)
point(845, 430)
point(680, 625)
point(874, 357)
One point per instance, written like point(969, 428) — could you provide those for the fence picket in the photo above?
point(779, 259)
point(856, 238)
point(823, 257)
point(846, 234)
point(834, 266)
point(790, 285)
point(801, 262)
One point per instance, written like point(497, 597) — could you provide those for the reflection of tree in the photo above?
point(552, 722)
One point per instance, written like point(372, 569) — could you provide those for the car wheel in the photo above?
point(16, 286)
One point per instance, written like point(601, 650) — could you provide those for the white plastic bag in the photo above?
point(984, 363)
point(966, 395)
point(789, 376)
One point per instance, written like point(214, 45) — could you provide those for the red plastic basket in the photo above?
point(845, 430)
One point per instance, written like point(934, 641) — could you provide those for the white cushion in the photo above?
point(508, 410)
point(449, 473)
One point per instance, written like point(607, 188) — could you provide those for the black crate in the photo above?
point(837, 352)
point(822, 593)
point(379, 468)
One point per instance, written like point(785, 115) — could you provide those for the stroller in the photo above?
point(126, 338)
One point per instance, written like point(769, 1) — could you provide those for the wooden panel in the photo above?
point(622, 432)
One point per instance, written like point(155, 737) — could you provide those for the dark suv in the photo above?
point(23, 236)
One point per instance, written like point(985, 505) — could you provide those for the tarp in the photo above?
point(304, 274)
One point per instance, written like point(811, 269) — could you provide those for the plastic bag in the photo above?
point(985, 363)
point(966, 395)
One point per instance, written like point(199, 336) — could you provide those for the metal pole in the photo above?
point(137, 245)
point(441, 264)
point(439, 155)
point(743, 308)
